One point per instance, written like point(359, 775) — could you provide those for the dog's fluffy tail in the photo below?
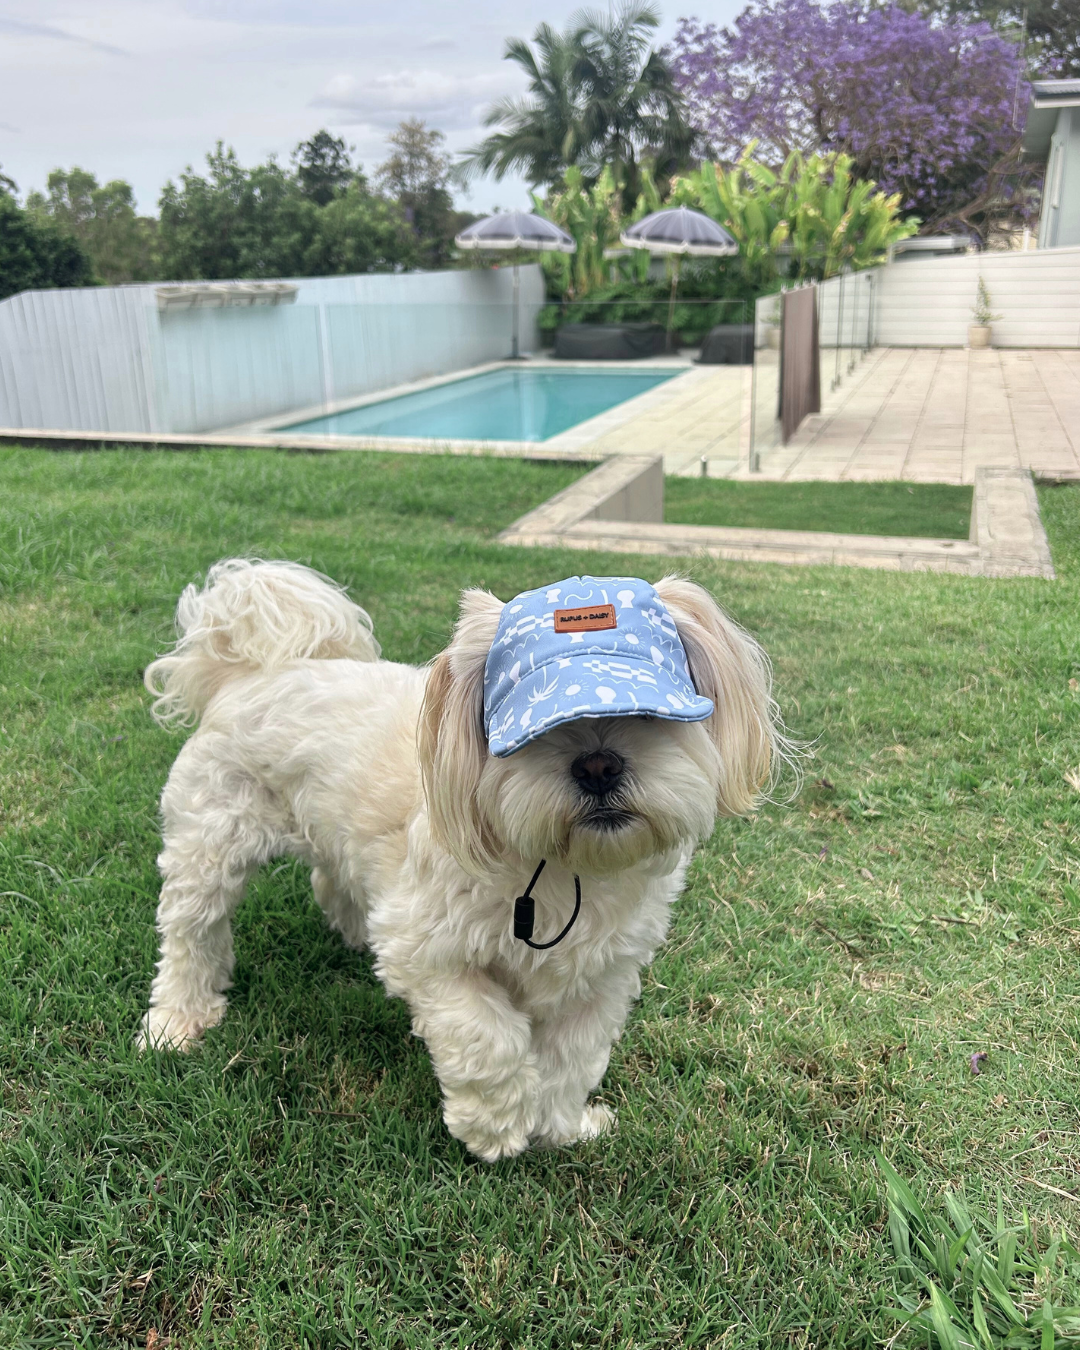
point(252, 616)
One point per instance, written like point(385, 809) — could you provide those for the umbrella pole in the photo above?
point(514, 354)
point(671, 301)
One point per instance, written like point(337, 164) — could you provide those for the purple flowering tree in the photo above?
point(933, 111)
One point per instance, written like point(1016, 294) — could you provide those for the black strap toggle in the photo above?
point(525, 913)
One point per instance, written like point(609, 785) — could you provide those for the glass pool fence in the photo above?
point(845, 335)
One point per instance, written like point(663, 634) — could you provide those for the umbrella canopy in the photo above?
point(516, 229)
point(680, 230)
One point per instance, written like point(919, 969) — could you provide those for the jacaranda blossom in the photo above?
point(933, 111)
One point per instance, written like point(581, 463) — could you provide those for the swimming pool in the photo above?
point(500, 405)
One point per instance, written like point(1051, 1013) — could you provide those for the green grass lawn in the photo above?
point(928, 510)
point(832, 969)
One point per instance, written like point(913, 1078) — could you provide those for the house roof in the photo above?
point(1048, 97)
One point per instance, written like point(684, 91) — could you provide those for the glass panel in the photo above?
point(765, 397)
point(845, 336)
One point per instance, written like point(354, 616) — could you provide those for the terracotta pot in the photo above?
point(979, 335)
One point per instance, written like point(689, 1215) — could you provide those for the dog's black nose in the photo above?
point(597, 771)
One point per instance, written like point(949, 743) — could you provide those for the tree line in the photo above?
point(925, 98)
point(319, 215)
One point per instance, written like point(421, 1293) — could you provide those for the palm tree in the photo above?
point(540, 133)
point(629, 100)
point(599, 96)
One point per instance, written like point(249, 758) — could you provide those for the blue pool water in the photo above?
point(502, 405)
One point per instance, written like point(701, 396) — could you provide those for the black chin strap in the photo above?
point(525, 913)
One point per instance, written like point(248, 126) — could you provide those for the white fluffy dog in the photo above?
point(379, 777)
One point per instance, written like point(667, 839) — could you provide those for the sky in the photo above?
point(140, 89)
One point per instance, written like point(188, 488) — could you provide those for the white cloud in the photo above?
point(447, 100)
point(249, 72)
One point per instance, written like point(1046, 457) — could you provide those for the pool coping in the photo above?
point(303, 445)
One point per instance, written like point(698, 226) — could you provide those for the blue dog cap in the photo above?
point(584, 647)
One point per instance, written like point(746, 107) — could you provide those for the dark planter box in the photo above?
point(609, 341)
point(728, 344)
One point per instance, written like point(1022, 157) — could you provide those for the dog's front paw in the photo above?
point(494, 1122)
point(494, 1145)
point(169, 1029)
point(596, 1119)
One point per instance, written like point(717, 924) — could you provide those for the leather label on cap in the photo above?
point(587, 619)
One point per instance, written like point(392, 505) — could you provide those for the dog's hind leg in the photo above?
point(219, 826)
point(342, 912)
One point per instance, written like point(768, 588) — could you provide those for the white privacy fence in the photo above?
point(128, 358)
point(927, 302)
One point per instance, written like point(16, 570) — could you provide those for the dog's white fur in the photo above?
point(379, 777)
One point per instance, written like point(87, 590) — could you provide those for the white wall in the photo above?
point(927, 302)
point(1059, 222)
point(105, 359)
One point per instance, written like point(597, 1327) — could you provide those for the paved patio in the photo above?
point(703, 414)
point(921, 414)
point(936, 415)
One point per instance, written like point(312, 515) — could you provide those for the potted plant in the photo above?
point(980, 332)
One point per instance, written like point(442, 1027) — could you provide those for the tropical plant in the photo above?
point(590, 215)
point(811, 218)
point(978, 1284)
point(812, 210)
point(540, 134)
point(709, 294)
point(629, 100)
point(929, 110)
point(599, 95)
point(602, 283)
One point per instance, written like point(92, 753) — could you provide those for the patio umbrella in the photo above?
point(680, 231)
point(517, 230)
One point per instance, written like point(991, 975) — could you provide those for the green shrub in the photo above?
point(35, 254)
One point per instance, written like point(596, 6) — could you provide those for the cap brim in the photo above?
point(567, 691)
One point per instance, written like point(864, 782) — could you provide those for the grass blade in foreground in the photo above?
point(969, 1303)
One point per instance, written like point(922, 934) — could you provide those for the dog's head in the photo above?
point(598, 793)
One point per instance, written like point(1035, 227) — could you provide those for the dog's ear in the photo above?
point(728, 666)
point(451, 741)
